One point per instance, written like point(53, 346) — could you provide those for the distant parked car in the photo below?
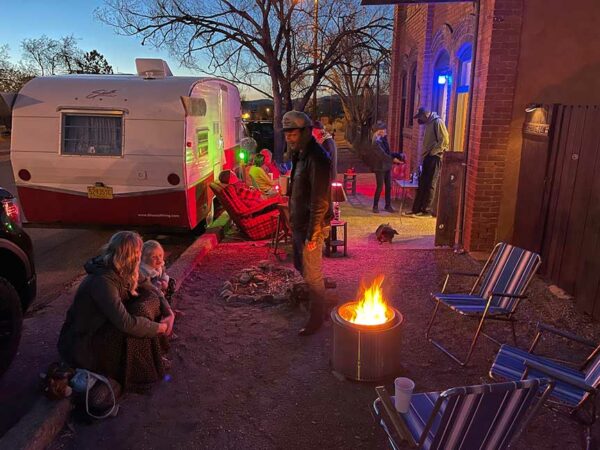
point(17, 277)
point(262, 132)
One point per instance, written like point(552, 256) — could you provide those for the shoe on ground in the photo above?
point(376, 209)
point(410, 213)
point(423, 214)
point(389, 209)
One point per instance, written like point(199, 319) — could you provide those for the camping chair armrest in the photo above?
point(557, 375)
point(397, 422)
point(543, 327)
point(504, 294)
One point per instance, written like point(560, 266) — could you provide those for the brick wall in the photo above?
point(496, 76)
point(422, 32)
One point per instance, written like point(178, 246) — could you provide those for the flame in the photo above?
point(372, 308)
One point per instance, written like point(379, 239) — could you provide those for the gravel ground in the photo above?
point(242, 378)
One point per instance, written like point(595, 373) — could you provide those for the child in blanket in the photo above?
point(153, 267)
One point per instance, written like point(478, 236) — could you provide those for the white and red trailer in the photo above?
point(125, 150)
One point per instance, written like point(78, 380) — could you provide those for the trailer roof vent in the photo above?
point(151, 68)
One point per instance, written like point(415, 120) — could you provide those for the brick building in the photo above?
point(528, 51)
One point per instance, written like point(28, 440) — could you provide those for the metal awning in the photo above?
point(409, 2)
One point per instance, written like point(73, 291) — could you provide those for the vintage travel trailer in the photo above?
point(125, 150)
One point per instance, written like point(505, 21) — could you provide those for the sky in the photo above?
point(23, 19)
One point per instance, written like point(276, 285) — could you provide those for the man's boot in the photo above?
point(315, 320)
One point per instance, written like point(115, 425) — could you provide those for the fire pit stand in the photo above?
point(366, 352)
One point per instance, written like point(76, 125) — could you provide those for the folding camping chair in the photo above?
point(504, 278)
point(575, 389)
point(487, 416)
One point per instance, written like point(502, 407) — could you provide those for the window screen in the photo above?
point(92, 135)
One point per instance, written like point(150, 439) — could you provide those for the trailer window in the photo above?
point(202, 138)
point(92, 135)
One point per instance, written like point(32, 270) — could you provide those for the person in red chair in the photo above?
point(249, 196)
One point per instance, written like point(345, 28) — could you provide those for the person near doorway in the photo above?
point(382, 158)
point(435, 143)
point(310, 209)
point(326, 141)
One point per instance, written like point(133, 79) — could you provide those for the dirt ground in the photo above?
point(242, 378)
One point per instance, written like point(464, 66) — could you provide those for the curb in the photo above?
point(40, 426)
point(37, 429)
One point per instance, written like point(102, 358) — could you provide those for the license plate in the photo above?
point(101, 192)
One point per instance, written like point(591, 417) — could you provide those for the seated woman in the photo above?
point(115, 324)
point(250, 196)
point(269, 166)
point(260, 178)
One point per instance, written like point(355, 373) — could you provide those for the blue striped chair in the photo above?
point(495, 295)
point(575, 389)
point(488, 416)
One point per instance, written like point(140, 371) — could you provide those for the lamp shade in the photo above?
point(337, 192)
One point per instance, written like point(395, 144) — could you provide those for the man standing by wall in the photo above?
point(310, 209)
point(435, 143)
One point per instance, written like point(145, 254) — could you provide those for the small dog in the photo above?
point(385, 233)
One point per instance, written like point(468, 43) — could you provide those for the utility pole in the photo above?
point(315, 58)
point(377, 92)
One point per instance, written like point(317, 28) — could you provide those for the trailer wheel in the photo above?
point(11, 323)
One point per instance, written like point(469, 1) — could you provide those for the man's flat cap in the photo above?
point(293, 120)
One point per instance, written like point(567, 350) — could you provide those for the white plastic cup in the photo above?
point(403, 392)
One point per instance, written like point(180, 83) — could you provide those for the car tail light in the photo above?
point(12, 210)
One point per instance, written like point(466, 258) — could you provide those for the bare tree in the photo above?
point(359, 79)
point(47, 56)
point(264, 44)
point(12, 78)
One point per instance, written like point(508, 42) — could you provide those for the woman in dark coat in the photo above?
point(382, 159)
point(110, 328)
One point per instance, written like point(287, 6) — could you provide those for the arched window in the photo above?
point(412, 96)
point(463, 90)
point(442, 80)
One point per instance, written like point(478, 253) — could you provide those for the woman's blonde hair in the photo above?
point(148, 247)
point(122, 254)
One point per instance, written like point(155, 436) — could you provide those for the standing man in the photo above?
point(328, 143)
point(310, 209)
point(435, 143)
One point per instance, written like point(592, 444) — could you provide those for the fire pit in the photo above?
point(366, 336)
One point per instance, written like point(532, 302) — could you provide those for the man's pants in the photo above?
point(381, 178)
point(310, 265)
point(427, 184)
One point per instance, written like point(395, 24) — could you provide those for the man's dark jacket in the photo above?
point(310, 196)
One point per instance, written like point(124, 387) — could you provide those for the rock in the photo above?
point(245, 278)
point(260, 278)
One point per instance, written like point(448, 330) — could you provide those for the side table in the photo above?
point(350, 183)
point(333, 241)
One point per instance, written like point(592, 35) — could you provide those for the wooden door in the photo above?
point(571, 232)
